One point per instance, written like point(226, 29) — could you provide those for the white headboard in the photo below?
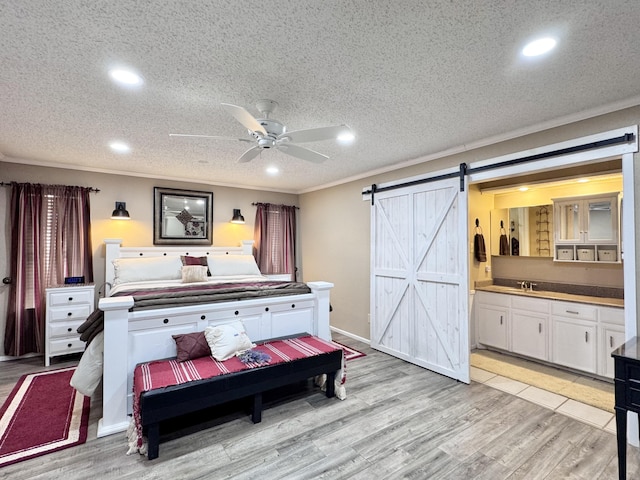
point(115, 250)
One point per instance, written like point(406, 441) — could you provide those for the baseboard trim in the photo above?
point(351, 335)
point(7, 358)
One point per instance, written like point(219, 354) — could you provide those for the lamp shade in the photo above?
point(120, 213)
point(237, 216)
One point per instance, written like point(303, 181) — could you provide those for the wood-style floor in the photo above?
point(398, 421)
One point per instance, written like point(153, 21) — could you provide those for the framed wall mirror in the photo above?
point(522, 231)
point(182, 217)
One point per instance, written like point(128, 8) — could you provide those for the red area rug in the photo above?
point(349, 353)
point(42, 414)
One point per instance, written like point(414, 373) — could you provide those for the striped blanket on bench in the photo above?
point(163, 374)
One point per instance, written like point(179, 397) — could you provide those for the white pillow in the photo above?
point(227, 340)
point(145, 269)
point(194, 273)
point(224, 265)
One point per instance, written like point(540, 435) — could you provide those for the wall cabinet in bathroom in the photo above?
point(587, 228)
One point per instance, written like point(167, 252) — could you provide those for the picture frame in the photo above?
point(182, 217)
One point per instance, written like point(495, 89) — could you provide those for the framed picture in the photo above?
point(182, 217)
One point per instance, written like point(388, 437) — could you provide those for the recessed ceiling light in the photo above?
point(120, 147)
point(346, 137)
point(125, 77)
point(272, 170)
point(539, 47)
point(583, 180)
point(523, 189)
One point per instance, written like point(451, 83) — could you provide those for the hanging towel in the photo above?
point(504, 244)
point(515, 246)
point(479, 249)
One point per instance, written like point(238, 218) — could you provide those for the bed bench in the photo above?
point(160, 404)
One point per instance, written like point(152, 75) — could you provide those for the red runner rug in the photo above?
point(349, 353)
point(42, 414)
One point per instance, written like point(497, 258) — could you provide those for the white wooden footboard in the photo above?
point(141, 336)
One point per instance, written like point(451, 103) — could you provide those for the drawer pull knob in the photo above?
point(69, 314)
point(71, 299)
point(293, 305)
point(69, 329)
point(266, 309)
point(572, 311)
point(69, 345)
point(236, 312)
point(166, 320)
point(202, 317)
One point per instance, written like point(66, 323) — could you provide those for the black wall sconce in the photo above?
point(120, 213)
point(237, 216)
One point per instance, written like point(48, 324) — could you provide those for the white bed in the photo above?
point(131, 337)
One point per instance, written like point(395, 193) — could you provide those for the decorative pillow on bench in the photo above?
point(227, 340)
point(191, 345)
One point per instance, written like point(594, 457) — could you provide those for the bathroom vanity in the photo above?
point(574, 331)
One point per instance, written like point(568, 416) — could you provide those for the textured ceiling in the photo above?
point(411, 78)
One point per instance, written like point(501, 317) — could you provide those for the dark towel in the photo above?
point(504, 245)
point(515, 246)
point(478, 248)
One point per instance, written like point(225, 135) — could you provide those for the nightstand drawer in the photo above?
point(71, 312)
point(71, 297)
point(65, 329)
point(60, 347)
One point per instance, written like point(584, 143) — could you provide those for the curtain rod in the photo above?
point(8, 184)
point(275, 205)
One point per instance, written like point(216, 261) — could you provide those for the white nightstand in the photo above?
point(68, 306)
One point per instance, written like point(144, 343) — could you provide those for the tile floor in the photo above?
point(579, 411)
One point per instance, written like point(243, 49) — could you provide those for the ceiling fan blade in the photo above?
point(301, 152)
point(244, 117)
point(215, 137)
point(316, 134)
point(250, 154)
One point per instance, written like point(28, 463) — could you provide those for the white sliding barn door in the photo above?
point(419, 280)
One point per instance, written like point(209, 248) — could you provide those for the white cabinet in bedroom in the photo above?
point(67, 307)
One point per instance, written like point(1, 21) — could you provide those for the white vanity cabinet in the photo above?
point(575, 341)
point(611, 336)
point(586, 228)
point(580, 336)
point(492, 319)
point(530, 327)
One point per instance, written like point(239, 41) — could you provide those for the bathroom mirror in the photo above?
point(522, 231)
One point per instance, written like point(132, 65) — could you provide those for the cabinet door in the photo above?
point(568, 222)
point(601, 220)
point(574, 344)
point(492, 326)
point(612, 338)
point(529, 334)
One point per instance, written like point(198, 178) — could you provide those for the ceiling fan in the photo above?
point(268, 133)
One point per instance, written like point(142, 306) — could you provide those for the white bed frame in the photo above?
point(142, 336)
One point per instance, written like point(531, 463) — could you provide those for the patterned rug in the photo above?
point(42, 414)
point(349, 353)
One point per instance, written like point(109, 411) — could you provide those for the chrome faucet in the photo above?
point(527, 285)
